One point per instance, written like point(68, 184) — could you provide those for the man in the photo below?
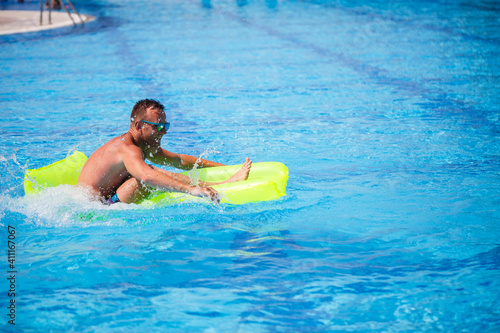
point(117, 171)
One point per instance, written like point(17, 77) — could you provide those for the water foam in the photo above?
point(60, 206)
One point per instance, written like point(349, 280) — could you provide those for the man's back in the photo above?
point(105, 170)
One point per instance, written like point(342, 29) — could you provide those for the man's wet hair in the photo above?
point(140, 108)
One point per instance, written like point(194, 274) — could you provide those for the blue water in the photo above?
point(386, 114)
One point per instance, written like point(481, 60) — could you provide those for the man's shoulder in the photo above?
point(125, 144)
point(120, 143)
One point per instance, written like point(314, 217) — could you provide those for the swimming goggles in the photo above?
point(159, 126)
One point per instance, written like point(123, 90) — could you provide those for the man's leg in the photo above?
point(177, 176)
point(240, 175)
point(131, 191)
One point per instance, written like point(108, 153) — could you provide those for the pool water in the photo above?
point(386, 114)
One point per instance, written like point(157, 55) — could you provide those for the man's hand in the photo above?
point(206, 192)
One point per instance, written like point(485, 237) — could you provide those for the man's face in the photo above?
point(151, 131)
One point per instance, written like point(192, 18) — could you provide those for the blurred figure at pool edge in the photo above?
point(56, 4)
point(117, 171)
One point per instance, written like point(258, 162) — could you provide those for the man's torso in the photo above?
point(105, 170)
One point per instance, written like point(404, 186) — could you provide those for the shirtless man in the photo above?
point(117, 171)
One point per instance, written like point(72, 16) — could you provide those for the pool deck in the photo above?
point(21, 21)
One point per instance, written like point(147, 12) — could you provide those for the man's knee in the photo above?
point(132, 183)
point(132, 190)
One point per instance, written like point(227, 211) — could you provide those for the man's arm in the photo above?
point(179, 161)
point(132, 157)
